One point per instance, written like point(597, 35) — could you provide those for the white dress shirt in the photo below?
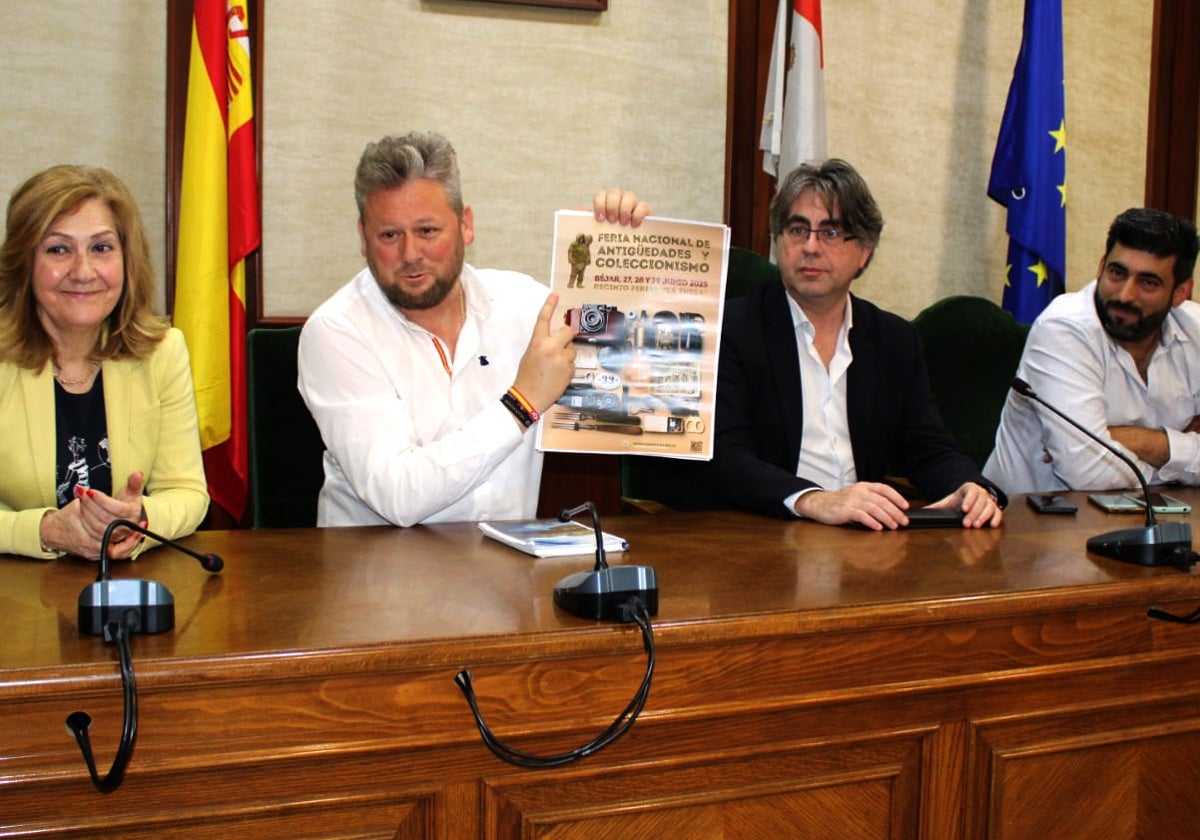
point(407, 442)
point(1074, 365)
point(826, 454)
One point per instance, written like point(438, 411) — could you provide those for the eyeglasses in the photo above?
point(799, 234)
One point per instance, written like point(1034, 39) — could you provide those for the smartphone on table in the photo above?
point(1161, 502)
point(1047, 503)
point(1134, 503)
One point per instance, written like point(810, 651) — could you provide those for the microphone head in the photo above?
point(566, 513)
point(1022, 387)
point(212, 562)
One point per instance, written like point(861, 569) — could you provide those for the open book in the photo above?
point(549, 537)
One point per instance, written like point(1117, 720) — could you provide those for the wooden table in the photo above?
point(811, 682)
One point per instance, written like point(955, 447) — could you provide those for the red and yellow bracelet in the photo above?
point(520, 407)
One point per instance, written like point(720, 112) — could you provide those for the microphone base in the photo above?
point(107, 600)
point(1163, 544)
point(598, 594)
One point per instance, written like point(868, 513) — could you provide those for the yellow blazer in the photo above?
point(150, 409)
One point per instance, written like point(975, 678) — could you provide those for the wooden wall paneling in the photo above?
point(789, 790)
point(1173, 142)
point(748, 189)
point(933, 692)
point(570, 479)
point(1122, 769)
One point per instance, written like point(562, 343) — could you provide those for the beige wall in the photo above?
point(543, 106)
point(84, 82)
point(546, 105)
point(916, 91)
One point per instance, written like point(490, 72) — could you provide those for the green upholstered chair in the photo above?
point(649, 483)
point(747, 271)
point(972, 348)
point(285, 446)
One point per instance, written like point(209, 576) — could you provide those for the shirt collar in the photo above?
point(801, 322)
point(1173, 331)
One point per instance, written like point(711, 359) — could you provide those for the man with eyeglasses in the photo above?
point(820, 393)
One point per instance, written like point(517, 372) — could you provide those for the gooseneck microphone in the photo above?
point(1026, 390)
point(600, 593)
point(211, 562)
point(567, 514)
point(116, 609)
point(1155, 543)
point(153, 602)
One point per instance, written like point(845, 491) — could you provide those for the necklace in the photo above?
point(437, 344)
point(70, 382)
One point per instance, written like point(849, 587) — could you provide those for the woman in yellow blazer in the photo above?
point(96, 399)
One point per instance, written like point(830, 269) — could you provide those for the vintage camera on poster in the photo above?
point(598, 323)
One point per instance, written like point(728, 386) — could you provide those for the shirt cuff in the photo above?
point(790, 501)
point(1183, 463)
point(47, 552)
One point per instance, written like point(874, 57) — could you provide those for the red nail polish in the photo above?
point(78, 491)
point(91, 493)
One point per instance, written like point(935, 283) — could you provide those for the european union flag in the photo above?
point(1029, 168)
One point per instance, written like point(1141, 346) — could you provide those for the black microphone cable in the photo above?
point(118, 609)
point(1162, 615)
point(633, 610)
point(78, 723)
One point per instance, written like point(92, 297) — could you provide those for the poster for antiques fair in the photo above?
point(645, 304)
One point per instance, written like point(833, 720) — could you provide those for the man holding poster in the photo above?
point(423, 373)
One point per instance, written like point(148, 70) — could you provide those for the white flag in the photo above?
point(793, 129)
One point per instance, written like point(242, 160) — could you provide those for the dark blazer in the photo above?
point(895, 427)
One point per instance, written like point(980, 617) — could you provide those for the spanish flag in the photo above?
point(219, 227)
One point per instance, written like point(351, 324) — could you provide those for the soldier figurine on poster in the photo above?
point(646, 306)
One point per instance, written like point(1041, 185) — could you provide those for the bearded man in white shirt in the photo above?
point(1122, 357)
point(426, 376)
